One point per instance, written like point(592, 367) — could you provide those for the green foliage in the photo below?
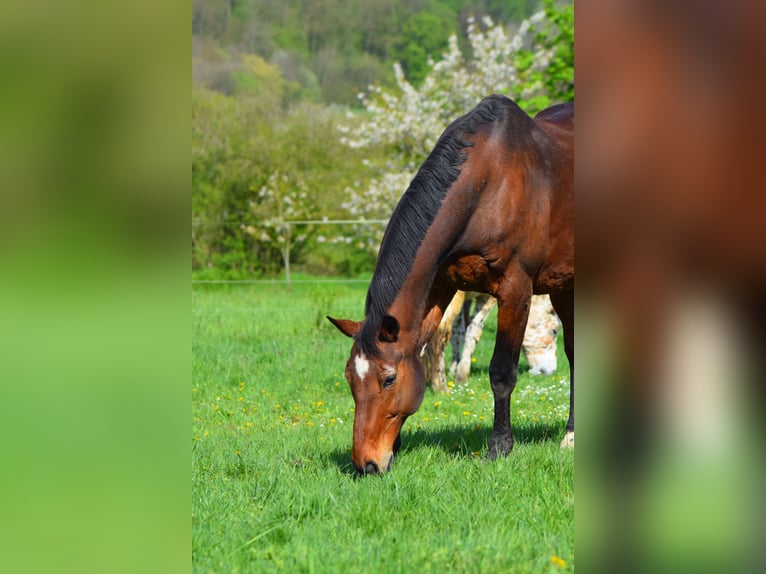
point(259, 78)
point(239, 143)
point(557, 36)
point(511, 10)
point(342, 258)
point(344, 45)
point(272, 484)
point(425, 34)
point(322, 297)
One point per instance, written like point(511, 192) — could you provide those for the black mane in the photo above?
point(417, 209)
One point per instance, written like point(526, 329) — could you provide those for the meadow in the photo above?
point(273, 488)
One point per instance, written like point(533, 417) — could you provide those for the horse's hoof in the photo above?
point(568, 441)
point(501, 446)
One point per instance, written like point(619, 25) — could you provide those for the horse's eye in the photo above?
point(389, 381)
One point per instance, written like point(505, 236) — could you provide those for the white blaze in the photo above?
point(362, 365)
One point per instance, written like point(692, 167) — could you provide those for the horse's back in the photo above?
point(559, 114)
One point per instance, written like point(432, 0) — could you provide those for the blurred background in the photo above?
point(670, 305)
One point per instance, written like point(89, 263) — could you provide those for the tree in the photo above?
point(281, 200)
point(257, 165)
point(423, 35)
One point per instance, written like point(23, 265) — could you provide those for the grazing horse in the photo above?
point(490, 210)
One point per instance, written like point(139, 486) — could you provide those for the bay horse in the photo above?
point(490, 210)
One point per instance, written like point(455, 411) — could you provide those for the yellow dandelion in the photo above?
point(558, 561)
point(437, 403)
point(473, 359)
point(248, 424)
point(450, 384)
point(240, 399)
point(467, 413)
point(309, 423)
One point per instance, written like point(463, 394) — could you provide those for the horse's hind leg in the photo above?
point(563, 304)
point(512, 312)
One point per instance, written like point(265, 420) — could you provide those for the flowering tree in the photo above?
point(280, 202)
point(534, 67)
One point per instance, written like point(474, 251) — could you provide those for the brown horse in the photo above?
point(490, 210)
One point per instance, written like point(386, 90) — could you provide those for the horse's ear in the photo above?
point(389, 329)
point(346, 326)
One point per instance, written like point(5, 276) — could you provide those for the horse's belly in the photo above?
point(554, 279)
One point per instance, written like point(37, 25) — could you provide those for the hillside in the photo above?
point(329, 50)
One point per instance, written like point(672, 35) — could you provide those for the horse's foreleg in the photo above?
point(563, 304)
point(512, 312)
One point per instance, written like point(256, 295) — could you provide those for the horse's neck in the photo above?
point(423, 298)
point(419, 308)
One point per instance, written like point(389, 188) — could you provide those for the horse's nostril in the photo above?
point(371, 468)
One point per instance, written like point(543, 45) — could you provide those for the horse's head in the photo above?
point(387, 386)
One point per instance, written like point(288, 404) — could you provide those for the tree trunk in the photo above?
point(286, 257)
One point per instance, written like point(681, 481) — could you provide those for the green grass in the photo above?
point(272, 484)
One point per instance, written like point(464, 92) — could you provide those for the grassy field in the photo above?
point(272, 484)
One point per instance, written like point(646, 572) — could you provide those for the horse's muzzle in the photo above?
point(372, 467)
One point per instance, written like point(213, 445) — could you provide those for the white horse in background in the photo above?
point(464, 327)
